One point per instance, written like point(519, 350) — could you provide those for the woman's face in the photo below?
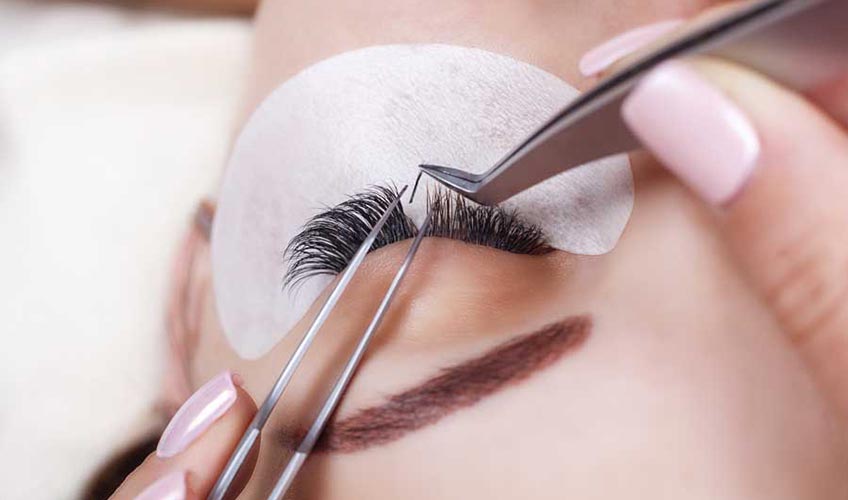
point(652, 371)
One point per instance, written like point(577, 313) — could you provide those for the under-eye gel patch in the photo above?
point(370, 117)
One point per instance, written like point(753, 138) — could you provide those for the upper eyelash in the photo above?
point(456, 218)
point(329, 240)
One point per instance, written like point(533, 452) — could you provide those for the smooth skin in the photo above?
point(718, 366)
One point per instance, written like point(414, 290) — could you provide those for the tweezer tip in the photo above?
point(437, 171)
point(455, 179)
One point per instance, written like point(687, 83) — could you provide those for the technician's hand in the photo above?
point(196, 445)
point(774, 165)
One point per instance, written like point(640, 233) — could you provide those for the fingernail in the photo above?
point(170, 487)
point(606, 54)
point(205, 406)
point(694, 129)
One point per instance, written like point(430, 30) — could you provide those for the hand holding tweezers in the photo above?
point(799, 43)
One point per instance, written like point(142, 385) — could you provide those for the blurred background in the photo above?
point(114, 121)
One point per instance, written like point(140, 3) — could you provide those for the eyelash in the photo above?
point(330, 239)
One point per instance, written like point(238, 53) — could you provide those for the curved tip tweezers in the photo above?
point(457, 180)
point(796, 42)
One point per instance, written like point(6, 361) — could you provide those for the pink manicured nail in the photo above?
point(205, 406)
point(694, 129)
point(170, 487)
point(605, 55)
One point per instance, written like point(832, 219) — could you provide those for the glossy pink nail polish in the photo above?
point(205, 406)
point(605, 55)
point(170, 487)
point(699, 133)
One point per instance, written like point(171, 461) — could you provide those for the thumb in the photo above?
point(777, 169)
point(196, 445)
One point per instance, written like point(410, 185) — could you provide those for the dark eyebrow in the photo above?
point(456, 387)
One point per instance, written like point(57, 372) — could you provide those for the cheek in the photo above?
point(212, 353)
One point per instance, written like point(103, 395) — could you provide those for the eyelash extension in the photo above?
point(329, 240)
point(456, 218)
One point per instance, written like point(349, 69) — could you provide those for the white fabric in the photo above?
point(111, 127)
point(370, 116)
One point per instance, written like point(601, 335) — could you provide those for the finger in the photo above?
point(599, 59)
point(620, 50)
point(196, 445)
point(778, 168)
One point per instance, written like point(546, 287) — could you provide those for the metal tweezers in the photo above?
point(799, 43)
point(296, 461)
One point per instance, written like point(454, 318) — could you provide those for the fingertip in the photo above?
point(699, 133)
point(601, 58)
point(244, 407)
point(206, 458)
point(208, 404)
point(224, 411)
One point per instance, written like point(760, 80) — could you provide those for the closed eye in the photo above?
point(328, 241)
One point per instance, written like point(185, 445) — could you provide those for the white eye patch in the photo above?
point(370, 117)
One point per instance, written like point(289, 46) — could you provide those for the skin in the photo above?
point(688, 387)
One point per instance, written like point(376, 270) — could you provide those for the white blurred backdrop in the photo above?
point(112, 125)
